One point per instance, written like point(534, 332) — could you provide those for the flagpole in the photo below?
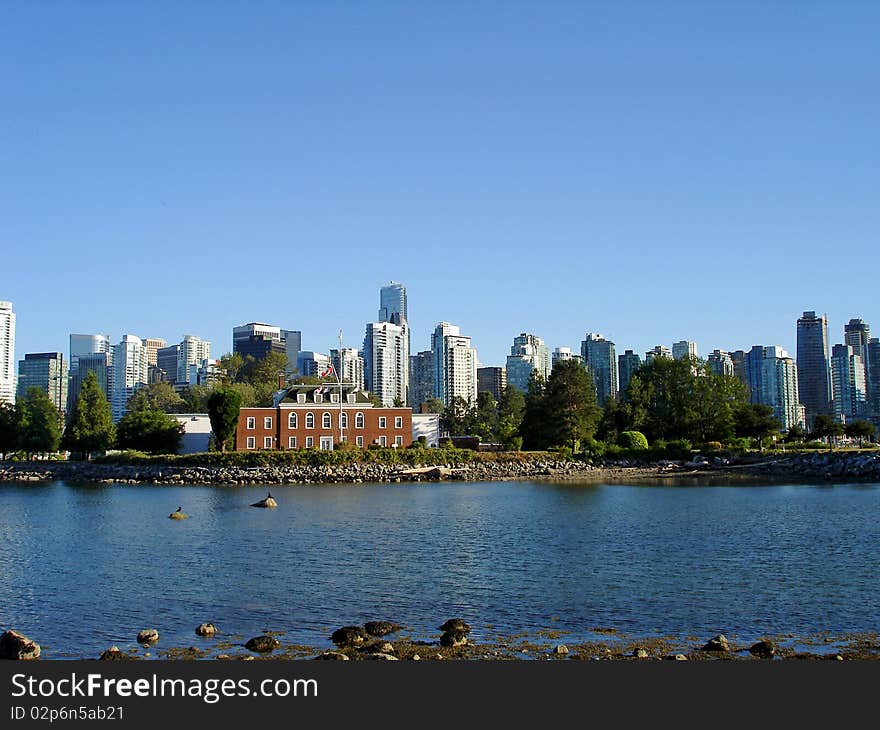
point(339, 380)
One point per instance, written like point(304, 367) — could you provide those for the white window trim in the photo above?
point(310, 442)
point(398, 422)
point(326, 418)
point(267, 422)
point(383, 422)
point(292, 420)
point(383, 441)
point(251, 423)
point(359, 420)
point(267, 439)
point(360, 441)
point(251, 442)
point(308, 416)
point(291, 442)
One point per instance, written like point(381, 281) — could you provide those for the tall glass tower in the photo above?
point(392, 300)
point(814, 382)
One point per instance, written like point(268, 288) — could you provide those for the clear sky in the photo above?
point(652, 171)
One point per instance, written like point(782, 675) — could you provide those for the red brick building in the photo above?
point(308, 416)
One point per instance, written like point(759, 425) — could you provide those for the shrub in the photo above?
point(713, 445)
point(679, 449)
point(632, 440)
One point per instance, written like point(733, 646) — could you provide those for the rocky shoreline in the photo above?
point(825, 466)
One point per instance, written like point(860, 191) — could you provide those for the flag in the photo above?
point(328, 372)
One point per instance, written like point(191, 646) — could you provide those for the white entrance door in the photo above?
point(326, 443)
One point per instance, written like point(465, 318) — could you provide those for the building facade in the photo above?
point(350, 366)
point(306, 417)
point(772, 378)
point(292, 344)
point(455, 364)
point(561, 354)
point(191, 353)
point(421, 379)
point(386, 360)
point(83, 344)
point(392, 301)
point(720, 363)
point(152, 345)
point(848, 384)
point(527, 354)
point(657, 351)
point(684, 350)
point(492, 380)
point(7, 353)
point(601, 360)
point(166, 363)
point(130, 372)
point(310, 363)
point(873, 384)
point(814, 379)
point(47, 372)
point(627, 364)
point(99, 363)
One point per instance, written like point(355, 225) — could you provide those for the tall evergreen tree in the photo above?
point(145, 428)
point(91, 423)
point(223, 408)
point(570, 404)
point(40, 424)
point(510, 415)
point(9, 430)
point(534, 427)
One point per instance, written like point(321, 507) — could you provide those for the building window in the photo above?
point(292, 420)
point(383, 422)
point(310, 420)
point(251, 423)
point(291, 442)
point(398, 440)
point(251, 442)
point(344, 419)
point(267, 442)
point(360, 441)
point(325, 421)
point(398, 422)
point(383, 441)
point(359, 420)
point(310, 441)
point(267, 422)
point(326, 443)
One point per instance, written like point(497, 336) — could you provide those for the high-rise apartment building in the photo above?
point(601, 360)
point(292, 344)
point(421, 379)
point(684, 350)
point(166, 362)
point(560, 354)
point(310, 363)
point(857, 334)
point(492, 380)
point(738, 358)
point(873, 383)
point(773, 381)
point(720, 362)
point(258, 339)
point(130, 372)
point(848, 387)
point(627, 364)
point(99, 363)
point(45, 371)
point(191, 354)
point(7, 353)
point(455, 364)
point(350, 366)
point(86, 345)
point(657, 351)
point(152, 345)
point(527, 353)
point(386, 360)
point(814, 381)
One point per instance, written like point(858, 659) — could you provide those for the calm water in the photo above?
point(83, 567)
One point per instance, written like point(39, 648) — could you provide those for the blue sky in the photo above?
point(650, 171)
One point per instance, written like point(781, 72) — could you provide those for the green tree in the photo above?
point(9, 430)
point(510, 415)
point(796, 434)
point(434, 405)
point(632, 440)
point(860, 430)
point(456, 417)
point(398, 402)
point(614, 421)
point(570, 404)
point(484, 417)
point(232, 364)
point(160, 395)
point(40, 423)
point(534, 427)
point(824, 426)
point(91, 423)
point(224, 404)
point(146, 428)
point(263, 374)
point(756, 421)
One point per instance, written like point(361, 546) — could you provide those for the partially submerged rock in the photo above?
point(332, 656)
point(349, 636)
point(148, 636)
point(717, 643)
point(16, 646)
point(763, 648)
point(114, 654)
point(206, 629)
point(268, 502)
point(561, 650)
point(456, 624)
point(262, 643)
point(178, 514)
point(381, 628)
point(454, 637)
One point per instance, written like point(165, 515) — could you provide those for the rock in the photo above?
point(456, 624)
point(763, 648)
point(680, 658)
point(148, 636)
point(114, 654)
point(561, 650)
point(717, 643)
point(207, 629)
point(416, 658)
point(268, 502)
point(262, 643)
point(349, 636)
point(18, 647)
point(454, 637)
point(178, 515)
point(382, 657)
point(333, 656)
point(381, 628)
point(385, 648)
point(640, 653)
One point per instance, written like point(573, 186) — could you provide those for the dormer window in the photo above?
point(319, 397)
point(334, 397)
point(352, 398)
point(300, 397)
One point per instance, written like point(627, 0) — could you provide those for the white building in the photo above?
point(129, 372)
point(312, 363)
point(244, 332)
point(528, 353)
point(350, 367)
point(7, 353)
point(455, 364)
point(684, 350)
point(192, 351)
point(81, 345)
point(386, 360)
point(427, 425)
point(848, 384)
point(196, 432)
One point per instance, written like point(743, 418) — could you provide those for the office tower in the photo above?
point(601, 360)
point(259, 347)
point(190, 355)
point(311, 363)
point(129, 373)
point(392, 300)
point(349, 367)
point(720, 363)
point(561, 354)
point(527, 353)
point(738, 358)
point(847, 384)
point(812, 365)
point(86, 345)
point(773, 381)
point(99, 363)
point(421, 379)
point(455, 364)
point(152, 345)
point(873, 379)
point(292, 344)
point(45, 371)
point(627, 364)
point(657, 351)
point(684, 349)
point(386, 360)
point(166, 363)
point(244, 332)
point(7, 353)
point(492, 380)
point(857, 334)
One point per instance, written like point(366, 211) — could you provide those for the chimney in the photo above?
point(281, 384)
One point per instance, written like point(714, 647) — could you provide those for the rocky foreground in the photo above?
point(840, 466)
point(387, 641)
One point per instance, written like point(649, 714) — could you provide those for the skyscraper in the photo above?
point(857, 334)
point(166, 362)
point(657, 351)
point(349, 367)
point(627, 364)
point(129, 373)
point(455, 364)
point(421, 378)
point(392, 300)
point(720, 362)
point(527, 353)
point(563, 353)
point(7, 353)
point(814, 382)
point(847, 384)
point(386, 360)
point(773, 381)
point(191, 354)
point(310, 363)
point(86, 345)
point(99, 363)
point(292, 344)
point(873, 383)
point(491, 380)
point(46, 371)
point(601, 360)
point(684, 349)
point(152, 345)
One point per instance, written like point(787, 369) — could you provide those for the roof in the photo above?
point(289, 395)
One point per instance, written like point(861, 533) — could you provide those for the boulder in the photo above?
point(148, 636)
point(207, 629)
point(18, 647)
point(330, 656)
point(382, 657)
point(454, 637)
point(114, 654)
point(349, 636)
point(561, 650)
point(640, 653)
point(267, 502)
point(178, 515)
point(262, 643)
point(456, 624)
point(717, 643)
point(763, 648)
point(381, 628)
